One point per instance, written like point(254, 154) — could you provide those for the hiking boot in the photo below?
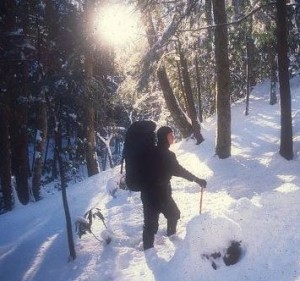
point(148, 239)
point(171, 227)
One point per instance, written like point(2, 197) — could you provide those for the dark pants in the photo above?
point(154, 204)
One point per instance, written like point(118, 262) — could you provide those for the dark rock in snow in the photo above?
point(230, 255)
point(233, 253)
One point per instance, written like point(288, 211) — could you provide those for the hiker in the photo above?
point(157, 195)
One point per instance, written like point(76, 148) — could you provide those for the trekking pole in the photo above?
point(201, 196)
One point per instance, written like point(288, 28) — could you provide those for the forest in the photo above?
point(76, 73)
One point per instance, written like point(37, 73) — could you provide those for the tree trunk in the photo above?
point(18, 133)
point(54, 171)
point(198, 85)
point(69, 142)
point(178, 115)
point(42, 129)
point(181, 85)
point(190, 100)
point(91, 155)
point(5, 164)
point(209, 21)
point(251, 49)
point(209, 83)
point(9, 24)
point(20, 156)
point(286, 137)
point(16, 77)
point(247, 86)
point(223, 139)
point(58, 148)
point(297, 15)
point(249, 70)
point(41, 117)
point(180, 119)
point(273, 77)
point(46, 152)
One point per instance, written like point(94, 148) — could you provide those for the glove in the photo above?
point(201, 182)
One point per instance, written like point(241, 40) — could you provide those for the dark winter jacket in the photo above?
point(168, 166)
point(161, 165)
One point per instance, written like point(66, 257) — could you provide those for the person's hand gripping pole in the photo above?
point(203, 184)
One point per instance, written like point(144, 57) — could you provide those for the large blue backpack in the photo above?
point(139, 141)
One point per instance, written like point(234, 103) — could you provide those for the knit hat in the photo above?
point(162, 136)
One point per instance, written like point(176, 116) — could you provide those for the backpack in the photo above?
point(139, 140)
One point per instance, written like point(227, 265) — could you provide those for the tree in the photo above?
point(286, 136)
point(180, 119)
point(16, 62)
point(273, 76)
point(189, 98)
point(40, 106)
point(223, 141)
point(63, 181)
point(41, 135)
point(91, 155)
point(5, 162)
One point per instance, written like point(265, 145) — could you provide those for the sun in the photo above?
point(117, 25)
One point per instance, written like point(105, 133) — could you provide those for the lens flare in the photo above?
point(116, 24)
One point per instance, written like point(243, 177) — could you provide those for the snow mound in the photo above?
point(206, 235)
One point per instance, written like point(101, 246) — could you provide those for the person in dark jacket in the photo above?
point(157, 198)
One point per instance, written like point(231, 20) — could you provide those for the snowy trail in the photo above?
point(251, 197)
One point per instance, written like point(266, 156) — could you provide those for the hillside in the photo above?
point(252, 197)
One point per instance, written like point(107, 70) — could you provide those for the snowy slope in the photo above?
point(252, 197)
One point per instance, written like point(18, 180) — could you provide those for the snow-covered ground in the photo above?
point(252, 197)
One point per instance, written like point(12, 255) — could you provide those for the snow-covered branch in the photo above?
point(155, 53)
point(232, 22)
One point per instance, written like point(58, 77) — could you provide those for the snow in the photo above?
point(252, 197)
